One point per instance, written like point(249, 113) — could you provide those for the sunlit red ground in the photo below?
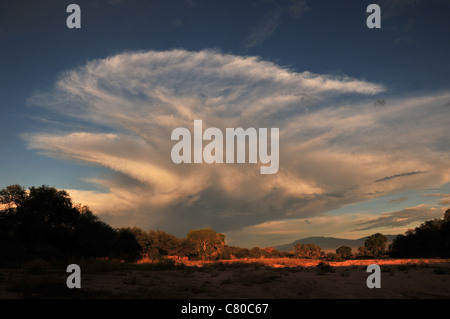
point(300, 262)
point(252, 278)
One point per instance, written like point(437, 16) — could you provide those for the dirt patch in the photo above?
point(271, 278)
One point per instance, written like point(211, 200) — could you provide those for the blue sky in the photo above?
point(362, 112)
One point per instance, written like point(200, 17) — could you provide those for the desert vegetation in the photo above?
point(42, 222)
point(42, 231)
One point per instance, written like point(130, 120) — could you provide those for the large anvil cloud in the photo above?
point(334, 142)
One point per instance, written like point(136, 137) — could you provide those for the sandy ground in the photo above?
point(271, 278)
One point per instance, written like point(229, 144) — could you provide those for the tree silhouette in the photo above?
point(12, 196)
point(430, 239)
point(447, 216)
point(375, 245)
point(43, 222)
point(231, 252)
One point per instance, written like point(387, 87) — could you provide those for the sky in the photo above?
point(363, 113)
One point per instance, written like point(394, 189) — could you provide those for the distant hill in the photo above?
point(330, 243)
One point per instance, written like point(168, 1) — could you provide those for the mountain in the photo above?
point(330, 243)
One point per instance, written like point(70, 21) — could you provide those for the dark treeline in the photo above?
point(42, 222)
point(431, 239)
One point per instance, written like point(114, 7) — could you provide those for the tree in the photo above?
point(44, 215)
point(447, 216)
point(430, 239)
point(344, 252)
point(165, 243)
point(144, 240)
point(207, 242)
point(232, 252)
point(271, 252)
point(256, 252)
point(375, 245)
point(11, 196)
point(126, 246)
point(307, 250)
point(43, 222)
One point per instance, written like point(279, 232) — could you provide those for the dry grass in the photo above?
point(304, 262)
point(244, 278)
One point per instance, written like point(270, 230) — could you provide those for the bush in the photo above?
point(333, 257)
point(441, 270)
point(323, 268)
point(308, 251)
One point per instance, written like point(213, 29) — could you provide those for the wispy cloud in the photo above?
point(445, 201)
point(333, 141)
point(444, 198)
point(402, 217)
point(398, 200)
point(263, 29)
point(386, 178)
point(267, 24)
point(400, 18)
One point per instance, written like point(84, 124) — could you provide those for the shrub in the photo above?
point(344, 252)
point(323, 268)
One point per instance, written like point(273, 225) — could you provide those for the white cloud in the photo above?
point(334, 143)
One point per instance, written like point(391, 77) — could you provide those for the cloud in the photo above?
point(191, 3)
point(400, 18)
point(402, 217)
point(263, 29)
point(445, 201)
point(444, 198)
point(380, 102)
point(177, 22)
point(392, 8)
point(398, 175)
point(279, 232)
point(333, 142)
point(296, 8)
point(399, 200)
point(266, 25)
point(273, 233)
